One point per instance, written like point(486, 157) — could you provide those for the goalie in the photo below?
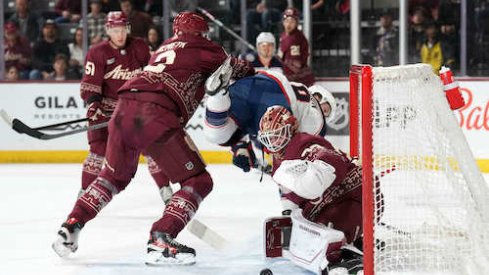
point(322, 188)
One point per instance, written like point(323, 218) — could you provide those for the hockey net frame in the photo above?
point(460, 249)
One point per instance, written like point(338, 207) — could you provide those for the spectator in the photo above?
point(419, 20)
point(27, 21)
point(177, 6)
point(294, 50)
point(68, 11)
point(45, 49)
point(76, 52)
point(11, 74)
point(60, 72)
point(140, 21)
point(262, 16)
point(153, 39)
point(18, 50)
point(264, 58)
point(386, 42)
point(110, 5)
point(434, 52)
point(95, 22)
point(153, 8)
point(317, 8)
point(430, 6)
point(449, 21)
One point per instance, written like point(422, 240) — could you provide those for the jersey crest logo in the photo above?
point(111, 61)
point(118, 73)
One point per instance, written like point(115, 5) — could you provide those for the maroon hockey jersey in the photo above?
point(179, 69)
point(18, 54)
point(294, 51)
point(106, 69)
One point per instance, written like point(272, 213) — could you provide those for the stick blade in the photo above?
point(206, 234)
point(6, 117)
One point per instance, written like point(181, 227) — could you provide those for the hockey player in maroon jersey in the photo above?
point(108, 65)
point(294, 50)
point(323, 189)
point(150, 115)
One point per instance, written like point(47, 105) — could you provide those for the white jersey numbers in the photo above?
point(90, 68)
point(163, 59)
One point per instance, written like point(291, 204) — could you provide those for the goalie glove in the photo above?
point(219, 80)
point(243, 156)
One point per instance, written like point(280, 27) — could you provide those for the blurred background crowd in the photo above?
point(43, 39)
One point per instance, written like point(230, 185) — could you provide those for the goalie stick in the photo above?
point(21, 128)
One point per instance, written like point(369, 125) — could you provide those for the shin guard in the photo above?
point(96, 197)
point(184, 204)
point(91, 168)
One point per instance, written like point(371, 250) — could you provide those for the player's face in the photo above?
point(275, 140)
point(326, 108)
point(118, 35)
point(289, 24)
point(266, 49)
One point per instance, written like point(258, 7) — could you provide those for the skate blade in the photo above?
point(61, 249)
point(156, 258)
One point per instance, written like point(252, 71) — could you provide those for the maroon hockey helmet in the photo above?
point(190, 22)
point(277, 125)
point(291, 12)
point(116, 18)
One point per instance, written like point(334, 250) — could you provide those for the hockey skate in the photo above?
point(164, 250)
point(67, 241)
point(351, 263)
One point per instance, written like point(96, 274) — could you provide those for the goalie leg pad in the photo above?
point(313, 246)
point(276, 235)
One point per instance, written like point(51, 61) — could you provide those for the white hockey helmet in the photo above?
point(265, 37)
point(324, 96)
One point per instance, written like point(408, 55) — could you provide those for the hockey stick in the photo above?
point(206, 234)
point(21, 128)
point(232, 33)
point(220, 24)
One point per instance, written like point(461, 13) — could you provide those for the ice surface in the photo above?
point(36, 199)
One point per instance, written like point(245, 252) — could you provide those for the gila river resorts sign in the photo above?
point(39, 104)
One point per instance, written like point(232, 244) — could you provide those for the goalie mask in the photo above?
point(277, 125)
point(324, 98)
point(190, 22)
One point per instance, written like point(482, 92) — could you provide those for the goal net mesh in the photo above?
point(430, 201)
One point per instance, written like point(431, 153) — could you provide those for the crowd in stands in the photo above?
point(39, 33)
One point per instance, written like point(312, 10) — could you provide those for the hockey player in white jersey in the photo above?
point(233, 111)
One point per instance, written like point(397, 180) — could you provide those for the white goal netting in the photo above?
point(431, 213)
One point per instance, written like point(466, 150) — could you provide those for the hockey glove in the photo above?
point(243, 156)
point(95, 113)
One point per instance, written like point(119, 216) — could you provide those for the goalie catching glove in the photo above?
point(243, 156)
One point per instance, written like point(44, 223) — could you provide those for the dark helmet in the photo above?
point(190, 22)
